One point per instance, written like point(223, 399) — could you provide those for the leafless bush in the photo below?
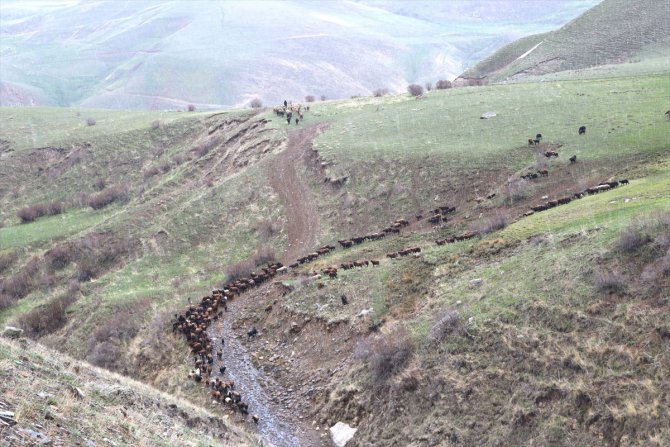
point(415, 89)
point(19, 285)
point(309, 98)
point(267, 228)
point(378, 93)
point(191, 108)
point(256, 103)
point(204, 147)
point(654, 228)
point(90, 121)
point(59, 256)
point(96, 257)
point(100, 184)
point(33, 212)
point(179, 159)
point(151, 172)
point(8, 259)
point(156, 125)
point(386, 355)
point(450, 323)
point(491, 224)
point(443, 84)
point(117, 193)
point(429, 86)
point(519, 189)
point(46, 318)
point(239, 270)
point(264, 255)
point(610, 282)
point(6, 301)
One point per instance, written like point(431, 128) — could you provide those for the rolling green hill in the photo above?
point(612, 32)
point(550, 329)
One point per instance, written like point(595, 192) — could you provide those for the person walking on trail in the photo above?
point(285, 103)
point(289, 115)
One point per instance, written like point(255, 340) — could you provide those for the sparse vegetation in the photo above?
point(190, 108)
point(91, 121)
point(33, 212)
point(378, 93)
point(415, 89)
point(491, 224)
point(386, 355)
point(256, 103)
point(309, 98)
point(443, 84)
point(116, 193)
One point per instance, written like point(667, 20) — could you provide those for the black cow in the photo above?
point(573, 159)
point(582, 130)
point(538, 136)
point(253, 332)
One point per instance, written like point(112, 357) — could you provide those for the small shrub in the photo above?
point(610, 282)
point(8, 259)
point(450, 323)
point(151, 172)
point(386, 355)
point(21, 284)
point(443, 84)
point(267, 228)
point(118, 193)
point(6, 301)
point(179, 159)
point(156, 125)
point(256, 103)
point(309, 98)
point(239, 270)
point(54, 208)
point(323, 97)
point(429, 86)
point(96, 256)
point(100, 184)
point(91, 121)
point(46, 318)
point(491, 224)
point(519, 189)
point(264, 255)
point(31, 213)
point(415, 89)
point(378, 93)
point(59, 257)
point(191, 108)
point(632, 239)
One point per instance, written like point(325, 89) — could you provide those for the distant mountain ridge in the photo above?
point(613, 32)
point(160, 55)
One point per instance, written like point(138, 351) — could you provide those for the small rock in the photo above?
point(476, 282)
point(37, 437)
point(341, 433)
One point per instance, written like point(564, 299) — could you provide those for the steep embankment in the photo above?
point(51, 399)
point(612, 32)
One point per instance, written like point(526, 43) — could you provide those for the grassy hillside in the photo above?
point(613, 32)
point(561, 342)
point(56, 399)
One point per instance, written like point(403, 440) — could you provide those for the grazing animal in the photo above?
point(667, 114)
point(252, 332)
point(255, 418)
point(550, 154)
point(344, 299)
point(582, 130)
point(536, 141)
point(222, 369)
point(531, 142)
point(297, 120)
point(538, 136)
point(573, 159)
point(543, 172)
point(624, 181)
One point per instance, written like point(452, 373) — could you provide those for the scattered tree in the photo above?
point(381, 92)
point(323, 97)
point(309, 98)
point(443, 84)
point(191, 108)
point(415, 89)
point(256, 103)
point(429, 86)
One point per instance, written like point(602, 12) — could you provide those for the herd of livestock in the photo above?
point(194, 321)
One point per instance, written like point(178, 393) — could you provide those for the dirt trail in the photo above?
point(278, 423)
point(299, 207)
